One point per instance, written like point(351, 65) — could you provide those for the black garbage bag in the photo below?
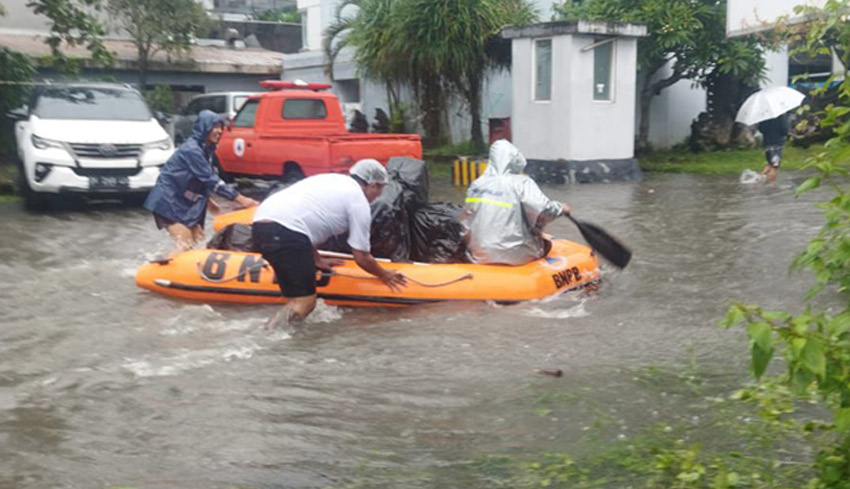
point(234, 237)
point(413, 176)
point(436, 234)
point(390, 230)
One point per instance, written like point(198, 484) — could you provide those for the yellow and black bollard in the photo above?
point(466, 170)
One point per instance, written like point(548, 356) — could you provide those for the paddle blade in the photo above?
point(604, 244)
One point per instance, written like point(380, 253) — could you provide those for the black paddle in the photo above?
point(603, 243)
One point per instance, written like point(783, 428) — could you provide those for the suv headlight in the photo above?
point(42, 143)
point(164, 145)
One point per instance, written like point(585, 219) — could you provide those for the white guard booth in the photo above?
point(574, 95)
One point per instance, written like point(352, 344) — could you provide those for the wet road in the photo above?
point(104, 385)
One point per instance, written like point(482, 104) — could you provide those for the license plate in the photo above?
point(108, 182)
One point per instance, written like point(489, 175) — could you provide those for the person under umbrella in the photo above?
point(769, 109)
point(774, 132)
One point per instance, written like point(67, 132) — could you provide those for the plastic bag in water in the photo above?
point(750, 177)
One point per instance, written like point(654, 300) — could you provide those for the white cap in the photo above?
point(370, 171)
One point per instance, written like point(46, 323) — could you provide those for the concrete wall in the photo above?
point(572, 125)
point(672, 112)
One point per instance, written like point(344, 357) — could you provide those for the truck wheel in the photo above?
point(292, 172)
point(222, 173)
point(33, 201)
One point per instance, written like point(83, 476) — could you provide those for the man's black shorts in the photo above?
point(291, 256)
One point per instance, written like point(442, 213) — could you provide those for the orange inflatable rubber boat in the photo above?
point(234, 276)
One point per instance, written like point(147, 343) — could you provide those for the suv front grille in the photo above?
point(107, 172)
point(111, 151)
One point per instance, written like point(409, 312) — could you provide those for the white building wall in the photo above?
point(311, 22)
point(747, 16)
point(19, 16)
point(672, 111)
point(777, 68)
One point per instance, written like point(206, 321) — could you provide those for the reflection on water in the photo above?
point(103, 384)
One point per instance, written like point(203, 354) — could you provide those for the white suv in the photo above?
point(88, 139)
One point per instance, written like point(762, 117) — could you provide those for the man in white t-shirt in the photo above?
point(290, 224)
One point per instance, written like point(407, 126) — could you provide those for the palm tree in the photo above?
point(433, 46)
point(369, 32)
point(459, 39)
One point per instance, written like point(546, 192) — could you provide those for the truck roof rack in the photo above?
point(297, 84)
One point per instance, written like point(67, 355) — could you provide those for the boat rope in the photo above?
point(467, 276)
point(263, 264)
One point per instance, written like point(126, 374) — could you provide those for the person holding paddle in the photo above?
point(506, 211)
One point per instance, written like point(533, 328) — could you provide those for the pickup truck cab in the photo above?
point(298, 130)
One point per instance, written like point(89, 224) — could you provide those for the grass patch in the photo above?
point(463, 148)
point(731, 161)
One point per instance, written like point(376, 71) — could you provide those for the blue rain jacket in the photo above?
point(187, 178)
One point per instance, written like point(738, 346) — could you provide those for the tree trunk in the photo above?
point(643, 129)
point(475, 89)
point(715, 128)
point(430, 105)
point(143, 70)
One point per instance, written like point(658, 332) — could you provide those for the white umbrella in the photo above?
point(767, 104)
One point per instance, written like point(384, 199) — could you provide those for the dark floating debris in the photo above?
point(552, 372)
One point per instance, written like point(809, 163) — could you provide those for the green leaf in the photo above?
point(760, 360)
point(801, 379)
point(842, 419)
point(810, 184)
point(734, 315)
point(814, 358)
point(761, 334)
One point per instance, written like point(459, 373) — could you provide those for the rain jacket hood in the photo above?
point(207, 119)
point(506, 211)
point(505, 159)
point(187, 178)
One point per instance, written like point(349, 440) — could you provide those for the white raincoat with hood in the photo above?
point(506, 211)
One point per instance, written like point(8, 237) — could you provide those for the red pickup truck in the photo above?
point(298, 130)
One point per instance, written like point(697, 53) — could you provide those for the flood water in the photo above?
point(103, 384)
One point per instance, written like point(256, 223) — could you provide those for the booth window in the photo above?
point(603, 70)
point(543, 69)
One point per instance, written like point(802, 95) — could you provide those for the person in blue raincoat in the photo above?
point(180, 198)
